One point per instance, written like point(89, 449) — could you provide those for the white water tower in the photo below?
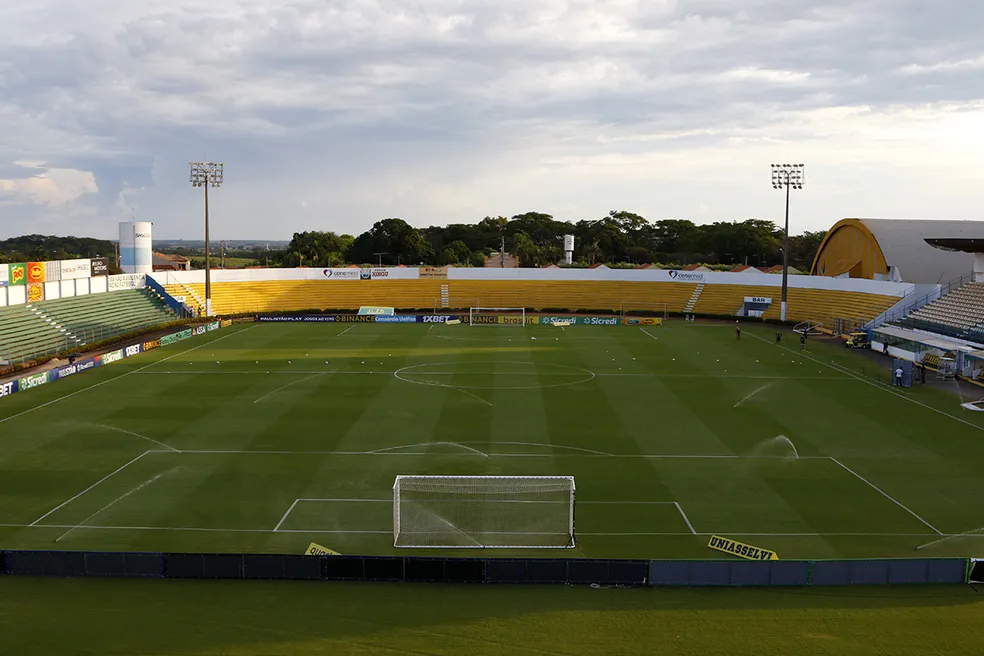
point(136, 247)
point(568, 249)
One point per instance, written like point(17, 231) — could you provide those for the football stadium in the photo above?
point(460, 425)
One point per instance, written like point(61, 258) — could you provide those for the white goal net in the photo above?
point(490, 316)
point(483, 512)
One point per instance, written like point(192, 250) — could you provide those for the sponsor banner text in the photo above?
point(740, 549)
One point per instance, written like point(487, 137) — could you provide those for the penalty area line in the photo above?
point(104, 478)
point(887, 495)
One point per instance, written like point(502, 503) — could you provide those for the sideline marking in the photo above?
point(726, 456)
point(129, 373)
point(490, 373)
point(390, 531)
point(283, 387)
point(345, 331)
point(864, 380)
point(888, 496)
point(649, 333)
point(119, 498)
point(106, 477)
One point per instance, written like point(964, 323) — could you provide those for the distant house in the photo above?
point(167, 262)
point(793, 271)
point(744, 268)
point(502, 261)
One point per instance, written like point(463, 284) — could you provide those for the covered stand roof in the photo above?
point(924, 251)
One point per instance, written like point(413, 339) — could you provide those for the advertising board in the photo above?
point(126, 281)
point(151, 345)
point(133, 349)
point(199, 330)
point(350, 273)
point(99, 266)
point(17, 274)
point(35, 272)
point(113, 356)
point(579, 320)
point(437, 318)
point(32, 381)
point(686, 276)
point(35, 292)
point(643, 321)
point(173, 338)
point(298, 318)
point(73, 269)
point(433, 272)
point(8, 388)
point(406, 318)
point(4, 275)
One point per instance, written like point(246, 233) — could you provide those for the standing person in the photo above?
point(803, 341)
point(922, 373)
point(737, 331)
point(898, 377)
point(778, 337)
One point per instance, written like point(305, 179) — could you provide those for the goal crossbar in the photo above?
point(478, 512)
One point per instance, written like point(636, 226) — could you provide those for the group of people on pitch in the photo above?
point(778, 336)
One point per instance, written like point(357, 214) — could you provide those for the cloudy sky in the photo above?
point(332, 114)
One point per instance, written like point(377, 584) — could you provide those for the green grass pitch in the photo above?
point(672, 434)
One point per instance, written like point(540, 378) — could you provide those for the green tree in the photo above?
point(400, 242)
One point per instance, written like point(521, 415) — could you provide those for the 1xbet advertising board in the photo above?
point(8, 388)
point(437, 318)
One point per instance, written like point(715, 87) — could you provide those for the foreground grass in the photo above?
point(86, 616)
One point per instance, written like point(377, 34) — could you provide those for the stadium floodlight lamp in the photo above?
point(205, 175)
point(787, 176)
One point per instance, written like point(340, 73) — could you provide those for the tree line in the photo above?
point(42, 248)
point(536, 239)
point(620, 238)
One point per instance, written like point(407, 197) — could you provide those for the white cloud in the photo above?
point(448, 110)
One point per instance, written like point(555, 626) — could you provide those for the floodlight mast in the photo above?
point(207, 174)
point(788, 176)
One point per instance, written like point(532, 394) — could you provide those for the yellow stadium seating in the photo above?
point(286, 296)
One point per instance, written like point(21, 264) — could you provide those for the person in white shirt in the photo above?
point(898, 377)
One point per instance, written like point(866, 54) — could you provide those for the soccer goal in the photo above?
point(475, 512)
point(486, 316)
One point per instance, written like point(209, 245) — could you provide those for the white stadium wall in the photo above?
point(885, 288)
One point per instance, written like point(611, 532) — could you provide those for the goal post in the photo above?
point(483, 512)
point(496, 316)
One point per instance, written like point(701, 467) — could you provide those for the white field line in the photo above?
point(104, 478)
point(888, 496)
point(685, 518)
point(143, 437)
point(129, 373)
point(488, 373)
point(410, 446)
point(549, 446)
point(390, 531)
point(864, 380)
point(649, 333)
point(111, 503)
point(491, 455)
point(345, 331)
point(284, 518)
point(283, 387)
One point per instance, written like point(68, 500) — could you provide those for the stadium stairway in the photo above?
point(39, 329)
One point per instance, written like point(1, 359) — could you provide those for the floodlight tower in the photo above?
point(207, 174)
point(788, 176)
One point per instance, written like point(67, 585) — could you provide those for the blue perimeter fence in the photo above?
point(573, 571)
